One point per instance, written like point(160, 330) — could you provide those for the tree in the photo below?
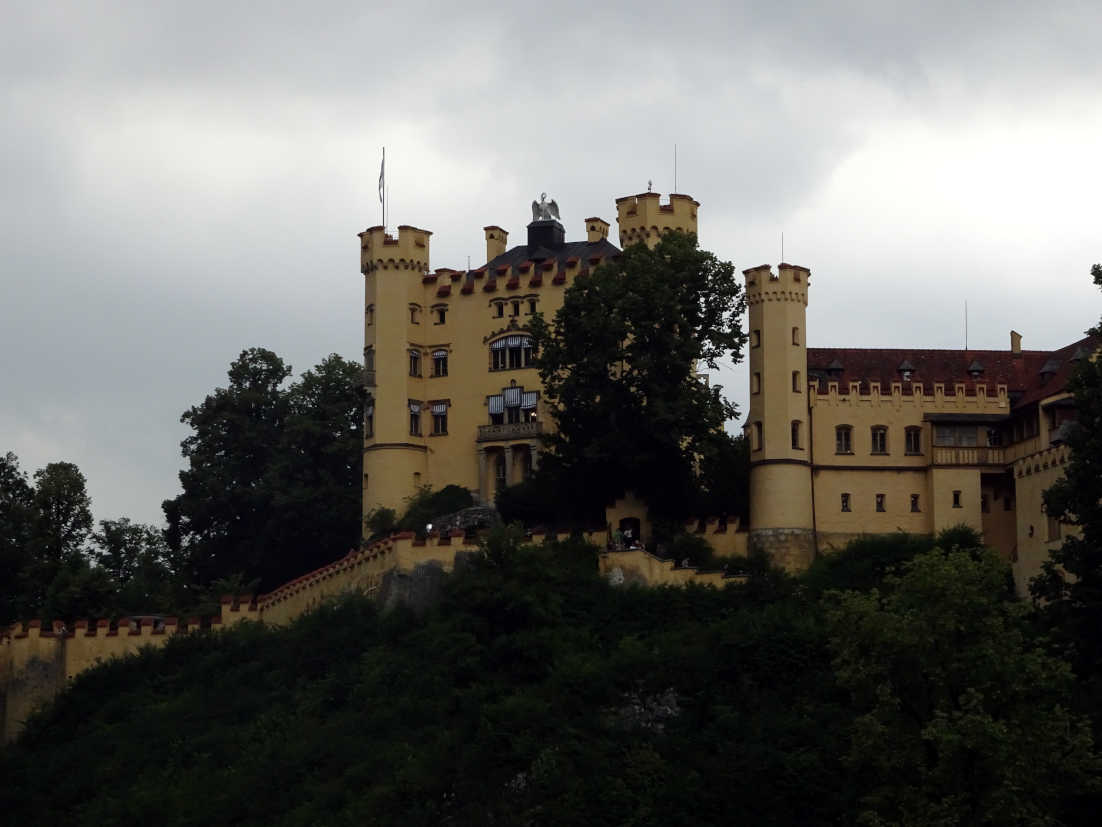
point(618, 365)
point(16, 525)
point(272, 486)
point(63, 511)
point(136, 558)
point(221, 515)
point(1069, 588)
point(962, 717)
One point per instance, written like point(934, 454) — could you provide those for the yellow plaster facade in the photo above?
point(852, 442)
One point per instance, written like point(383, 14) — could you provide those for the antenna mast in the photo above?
point(675, 167)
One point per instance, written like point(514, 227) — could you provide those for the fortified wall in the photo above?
point(37, 660)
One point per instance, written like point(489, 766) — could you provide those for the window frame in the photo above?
point(414, 362)
point(439, 364)
point(878, 434)
point(846, 502)
point(843, 440)
point(912, 434)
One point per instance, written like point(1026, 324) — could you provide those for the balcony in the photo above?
point(513, 430)
point(955, 455)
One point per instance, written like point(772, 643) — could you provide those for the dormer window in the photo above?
point(834, 369)
point(975, 370)
point(906, 370)
point(1049, 369)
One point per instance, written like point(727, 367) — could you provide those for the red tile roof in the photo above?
point(1020, 372)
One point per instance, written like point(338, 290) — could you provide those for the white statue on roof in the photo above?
point(544, 210)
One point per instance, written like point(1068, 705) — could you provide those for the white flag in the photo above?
point(382, 175)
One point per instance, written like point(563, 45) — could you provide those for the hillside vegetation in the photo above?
point(535, 693)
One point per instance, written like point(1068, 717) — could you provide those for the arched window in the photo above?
point(511, 352)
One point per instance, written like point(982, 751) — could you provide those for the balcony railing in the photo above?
point(955, 455)
point(511, 430)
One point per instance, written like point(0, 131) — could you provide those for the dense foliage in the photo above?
point(535, 693)
point(618, 364)
point(272, 487)
point(1069, 589)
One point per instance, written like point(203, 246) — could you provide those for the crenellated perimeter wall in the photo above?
point(37, 660)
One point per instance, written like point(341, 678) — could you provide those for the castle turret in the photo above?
point(497, 240)
point(781, 511)
point(394, 445)
point(596, 229)
point(643, 218)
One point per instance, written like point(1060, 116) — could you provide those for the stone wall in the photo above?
point(793, 549)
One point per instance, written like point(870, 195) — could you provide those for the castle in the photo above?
point(454, 395)
point(844, 442)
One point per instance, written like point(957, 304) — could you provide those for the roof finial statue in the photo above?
point(543, 209)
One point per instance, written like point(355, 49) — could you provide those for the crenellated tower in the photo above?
point(394, 456)
point(643, 218)
point(778, 424)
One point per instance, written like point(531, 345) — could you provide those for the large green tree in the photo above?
point(272, 483)
point(963, 718)
point(619, 365)
point(16, 526)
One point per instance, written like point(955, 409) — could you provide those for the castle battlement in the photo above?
point(644, 218)
point(380, 250)
point(962, 397)
point(789, 283)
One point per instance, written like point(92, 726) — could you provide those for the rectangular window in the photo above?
point(413, 315)
point(369, 419)
point(757, 443)
point(843, 439)
point(879, 502)
point(441, 315)
point(440, 422)
point(795, 335)
point(516, 308)
point(914, 503)
point(914, 440)
point(499, 309)
point(513, 416)
point(956, 499)
point(415, 419)
point(532, 307)
point(755, 338)
point(795, 381)
point(440, 363)
point(755, 383)
point(414, 363)
point(1053, 529)
point(796, 434)
point(959, 435)
point(879, 440)
point(498, 359)
point(845, 502)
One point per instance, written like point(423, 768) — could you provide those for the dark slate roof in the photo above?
point(1020, 372)
point(581, 250)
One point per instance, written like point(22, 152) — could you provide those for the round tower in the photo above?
point(782, 519)
point(643, 218)
point(395, 452)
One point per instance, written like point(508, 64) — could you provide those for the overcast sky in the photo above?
point(179, 181)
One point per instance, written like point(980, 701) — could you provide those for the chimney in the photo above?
point(1015, 342)
point(496, 241)
point(596, 229)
